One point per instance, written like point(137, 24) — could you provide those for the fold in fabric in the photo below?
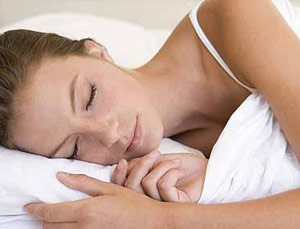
point(252, 158)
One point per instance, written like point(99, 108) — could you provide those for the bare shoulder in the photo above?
point(262, 50)
point(249, 35)
point(218, 19)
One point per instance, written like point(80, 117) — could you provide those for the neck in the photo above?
point(180, 99)
point(186, 85)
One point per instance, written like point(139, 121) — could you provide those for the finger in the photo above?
point(149, 183)
point(140, 171)
point(60, 212)
point(119, 174)
point(47, 225)
point(133, 162)
point(86, 184)
point(167, 186)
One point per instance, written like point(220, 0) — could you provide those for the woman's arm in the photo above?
point(262, 51)
point(276, 212)
point(114, 206)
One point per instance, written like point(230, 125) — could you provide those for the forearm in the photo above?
point(279, 211)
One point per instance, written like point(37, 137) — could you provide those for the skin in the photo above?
point(176, 177)
point(104, 130)
point(255, 42)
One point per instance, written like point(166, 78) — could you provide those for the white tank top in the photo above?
point(210, 47)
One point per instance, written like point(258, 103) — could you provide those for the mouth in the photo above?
point(135, 139)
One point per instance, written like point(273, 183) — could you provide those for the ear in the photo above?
point(97, 50)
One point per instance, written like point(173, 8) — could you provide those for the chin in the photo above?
point(154, 143)
point(150, 139)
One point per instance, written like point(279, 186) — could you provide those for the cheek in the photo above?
point(106, 101)
point(99, 157)
point(118, 104)
point(91, 150)
point(153, 133)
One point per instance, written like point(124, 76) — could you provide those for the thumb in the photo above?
point(86, 184)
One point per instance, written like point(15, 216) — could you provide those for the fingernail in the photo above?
point(62, 175)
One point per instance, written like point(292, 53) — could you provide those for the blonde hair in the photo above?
point(21, 51)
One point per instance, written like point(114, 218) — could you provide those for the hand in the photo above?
point(170, 177)
point(112, 206)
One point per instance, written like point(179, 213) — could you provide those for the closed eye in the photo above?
point(92, 97)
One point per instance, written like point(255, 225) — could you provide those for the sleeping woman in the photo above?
point(64, 98)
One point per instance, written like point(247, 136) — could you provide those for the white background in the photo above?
point(150, 13)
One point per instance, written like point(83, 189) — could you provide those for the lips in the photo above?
point(135, 139)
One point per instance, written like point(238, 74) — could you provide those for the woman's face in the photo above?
point(89, 105)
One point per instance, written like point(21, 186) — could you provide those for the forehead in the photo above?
point(43, 108)
point(48, 85)
point(54, 75)
point(53, 69)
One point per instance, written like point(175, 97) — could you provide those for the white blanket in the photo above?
point(251, 158)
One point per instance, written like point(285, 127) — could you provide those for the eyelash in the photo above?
point(74, 154)
point(93, 93)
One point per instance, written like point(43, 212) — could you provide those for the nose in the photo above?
point(107, 133)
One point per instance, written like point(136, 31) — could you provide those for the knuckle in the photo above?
point(135, 187)
point(169, 164)
point(133, 161)
point(146, 161)
point(147, 183)
point(129, 184)
point(162, 184)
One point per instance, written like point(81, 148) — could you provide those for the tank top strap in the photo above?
point(210, 47)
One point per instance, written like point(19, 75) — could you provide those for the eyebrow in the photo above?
point(72, 92)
